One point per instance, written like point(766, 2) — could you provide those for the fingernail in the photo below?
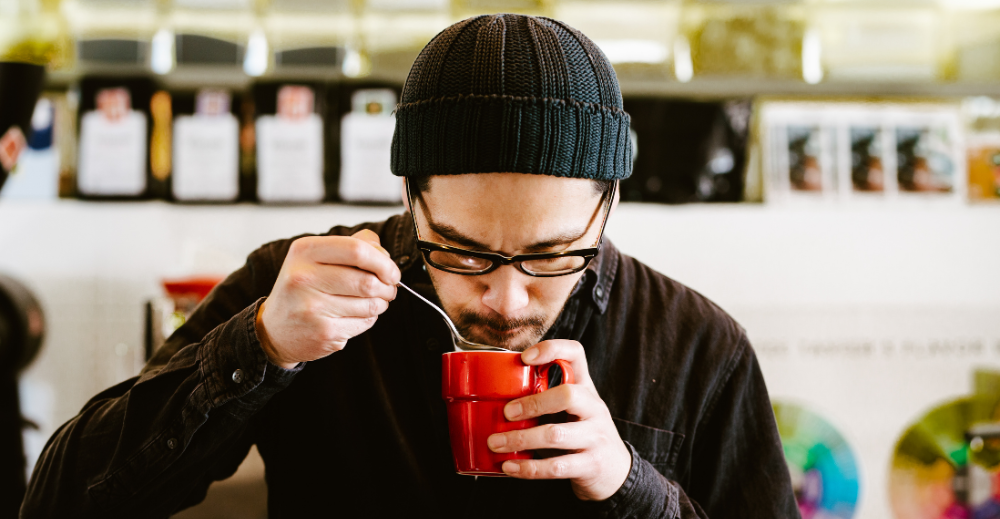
point(514, 409)
point(510, 467)
point(529, 354)
point(496, 441)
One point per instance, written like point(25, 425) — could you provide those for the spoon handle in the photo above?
point(460, 341)
point(434, 306)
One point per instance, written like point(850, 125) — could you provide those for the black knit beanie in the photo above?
point(512, 93)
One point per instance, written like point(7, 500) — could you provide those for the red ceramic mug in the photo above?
point(476, 385)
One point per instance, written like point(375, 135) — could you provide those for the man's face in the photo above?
point(509, 213)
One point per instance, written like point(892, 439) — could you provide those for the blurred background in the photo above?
point(828, 171)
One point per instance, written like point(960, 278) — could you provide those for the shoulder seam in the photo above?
point(738, 353)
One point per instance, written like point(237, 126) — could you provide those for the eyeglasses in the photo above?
point(475, 263)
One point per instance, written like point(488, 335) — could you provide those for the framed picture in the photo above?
point(800, 159)
point(867, 146)
point(929, 150)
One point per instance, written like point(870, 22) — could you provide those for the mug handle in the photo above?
point(542, 374)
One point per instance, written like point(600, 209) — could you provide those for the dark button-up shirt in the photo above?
point(363, 432)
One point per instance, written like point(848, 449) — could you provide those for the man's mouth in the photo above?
point(496, 331)
point(501, 332)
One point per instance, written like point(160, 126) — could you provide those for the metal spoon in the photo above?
point(456, 338)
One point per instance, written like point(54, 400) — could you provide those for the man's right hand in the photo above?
point(329, 289)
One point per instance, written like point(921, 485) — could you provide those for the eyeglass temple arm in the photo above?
point(413, 214)
point(607, 212)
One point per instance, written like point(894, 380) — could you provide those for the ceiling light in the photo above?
point(633, 51)
point(812, 64)
point(683, 66)
point(256, 60)
point(162, 57)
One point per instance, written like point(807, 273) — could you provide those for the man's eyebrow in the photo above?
point(450, 233)
point(559, 239)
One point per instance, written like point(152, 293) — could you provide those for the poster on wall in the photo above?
point(112, 146)
point(290, 149)
point(206, 150)
point(947, 463)
point(822, 465)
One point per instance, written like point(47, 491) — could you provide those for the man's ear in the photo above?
point(406, 199)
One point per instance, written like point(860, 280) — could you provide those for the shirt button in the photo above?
point(238, 376)
point(171, 444)
point(402, 260)
point(599, 292)
point(433, 345)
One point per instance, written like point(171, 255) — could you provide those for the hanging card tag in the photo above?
point(206, 150)
point(112, 147)
point(290, 150)
point(365, 144)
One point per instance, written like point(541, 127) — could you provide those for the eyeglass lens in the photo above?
point(456, 261)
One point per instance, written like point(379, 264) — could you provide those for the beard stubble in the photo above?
point(532, 327)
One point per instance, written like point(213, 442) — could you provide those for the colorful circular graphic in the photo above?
point(947, 464)
point(823, 467)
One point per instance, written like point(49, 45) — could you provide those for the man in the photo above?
point(511, 137)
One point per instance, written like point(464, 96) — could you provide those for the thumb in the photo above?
point(370, 237)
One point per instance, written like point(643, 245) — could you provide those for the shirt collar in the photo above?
point(404, 244)
point(602, 270)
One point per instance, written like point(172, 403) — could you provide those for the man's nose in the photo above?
point(506, 291)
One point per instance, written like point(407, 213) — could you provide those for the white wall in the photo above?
point(866, 314)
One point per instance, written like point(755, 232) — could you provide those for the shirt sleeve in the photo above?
point(152, 445)
point(738, 466)
point(647, 494)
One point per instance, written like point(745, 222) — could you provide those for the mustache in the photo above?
point(468, 319)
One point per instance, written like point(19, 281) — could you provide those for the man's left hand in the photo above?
point(598, 462)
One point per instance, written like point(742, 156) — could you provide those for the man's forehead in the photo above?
point(526, 211)
point(509, 184)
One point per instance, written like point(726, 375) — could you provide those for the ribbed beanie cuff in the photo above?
point(495, 133)
point(502, 93)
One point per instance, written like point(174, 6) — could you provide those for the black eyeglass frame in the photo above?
point(497, 259)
